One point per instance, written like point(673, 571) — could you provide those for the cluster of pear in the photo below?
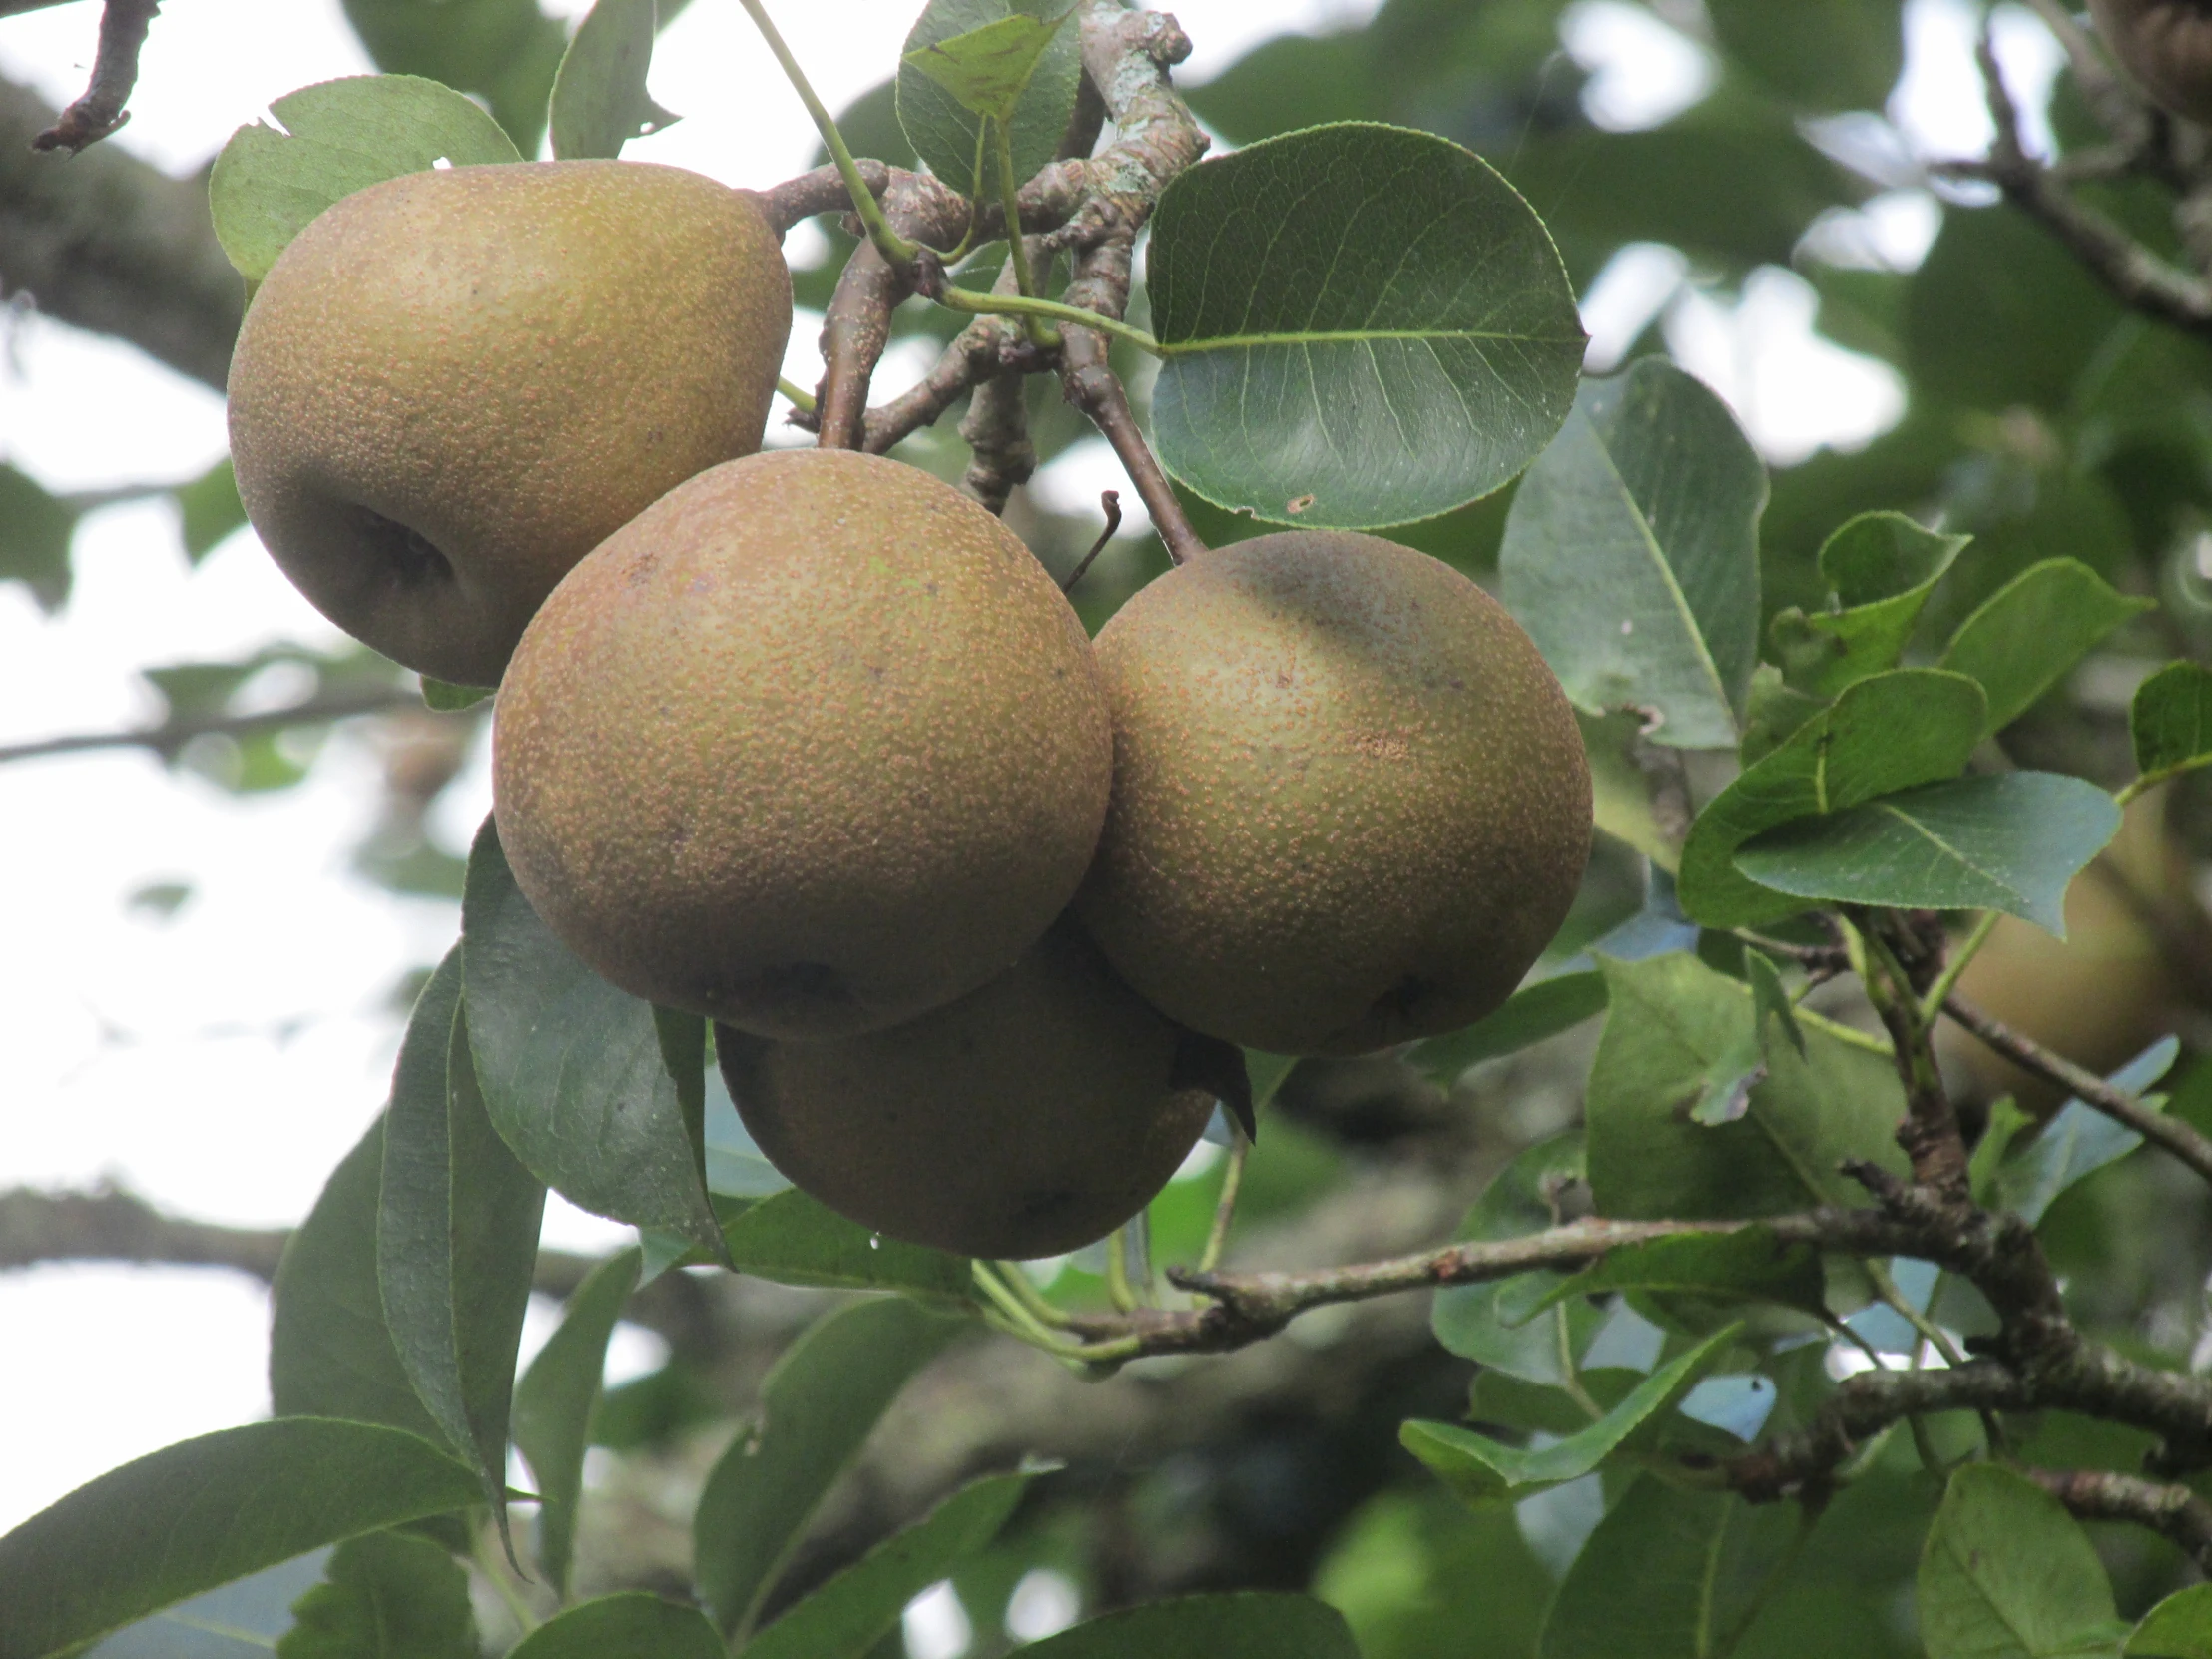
point(808, 743)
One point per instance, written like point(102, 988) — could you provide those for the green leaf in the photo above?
point(210, 509)
point(1671, 1018)
point(1745, 1265)
point(1364, 326)
point(572, 1068)
point(2181, 1627)
point(1668, 1574)
point(555, 1400)
point(816, 1408)
point(2079, 1140)
point(2007, 1573)
point(1631, 555)
point(1482, 1470)
point(1541, 1011)
point(446, 697)
point(205, 1511)
point(331, 1353)
point(795, 1239)
point(599, 96)
point(384, 1596)
point(1247, 1624)
point(456, 1236)
point(1881, 567)
point(631, 1625)
point(1772, 714)
point(1770, 999)
point(1523, 1198)
point(1821, 55)
point(35, 533)
point(2033, 630)
point(987, 69)
point(848, 1616)
point(507, 50)
point(2171, 720)
point(944, 132)
point(1885, 733)
point(335, 138)
point(2010, 842)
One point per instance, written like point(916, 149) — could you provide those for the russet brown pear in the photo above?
point(1032, 1116)
point(810, 746)
point(1350, 802)
point(454, 385)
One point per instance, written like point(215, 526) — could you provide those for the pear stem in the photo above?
point(1118, 1290)
point(1224, 1209)
point(1041, 334)
point(1025, 306)
point(800, 399)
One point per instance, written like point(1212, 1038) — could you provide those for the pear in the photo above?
point(1351, 802)
point(454, 385)
point(1031, 1116)
point(810, 746)
point(2166, 45)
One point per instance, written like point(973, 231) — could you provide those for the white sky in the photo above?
point(221, 1063)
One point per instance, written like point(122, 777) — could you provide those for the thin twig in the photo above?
point(115, 69)
point(1109, 503)
point(166, 738)
point(2185, 1142)
point(2102, 1494)
point(1231, 1180)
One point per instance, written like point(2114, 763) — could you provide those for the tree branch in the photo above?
point(2101, 1494)
point(820, 192)
point(111, 243)
point(122, 26)
point(170, 735)
point(996, 426)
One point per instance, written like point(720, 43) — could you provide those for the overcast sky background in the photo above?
point(222, 1061)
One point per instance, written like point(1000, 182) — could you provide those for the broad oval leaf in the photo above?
point(335, 138)
point(629, 1625)
point(848, 1616)
point(599, 99)
point(2010, 842)
point(944, 134)
point(2172, 721)
point(2033, 630)
point(1882, 568)
point(1631, 555)
point(1249, 1624)
point(817, 1406)
point(385, 1596)
point(2079, 1140)
point(2007, 1573)
point(1888, 733)
point(1364, 325)
point(1482, 1470)
point(573, 1070)
point(795, 1239)
point(456, 1235)
point(987, 69)
point(554, 1403)
point(205, 1511)
point(1524, 1196)
point(2181, 1627)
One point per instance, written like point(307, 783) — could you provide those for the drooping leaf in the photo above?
point(848, 1616)
point(2033, 630)
point(944, 132)
point(599, 98)
point(1632, 555)
point(1881, 567)
point(554, 1403)
point(628, 1625)
point(572, 1068)
point(1667, 1574)
point(1532, 1014)
point(1482, 1470)
point(335, 138)
point(795, 1239)
point(1364, 326)
point(385, 1596)
point(2010, 842)
point(1246, 1624)
point(1524, 1196)
point(2181, 1627)
point(987, 69)
point(456, 1236)
point(2079, 1140)
point(35, 532)
point(816, 1408)
point(1671, 1018)
point(2007, 1573)
point(205, 1511)
point(2172, 721)
point(1746, 1264)
point(331, 1353)
point(209, 509)
point(1888, 733)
